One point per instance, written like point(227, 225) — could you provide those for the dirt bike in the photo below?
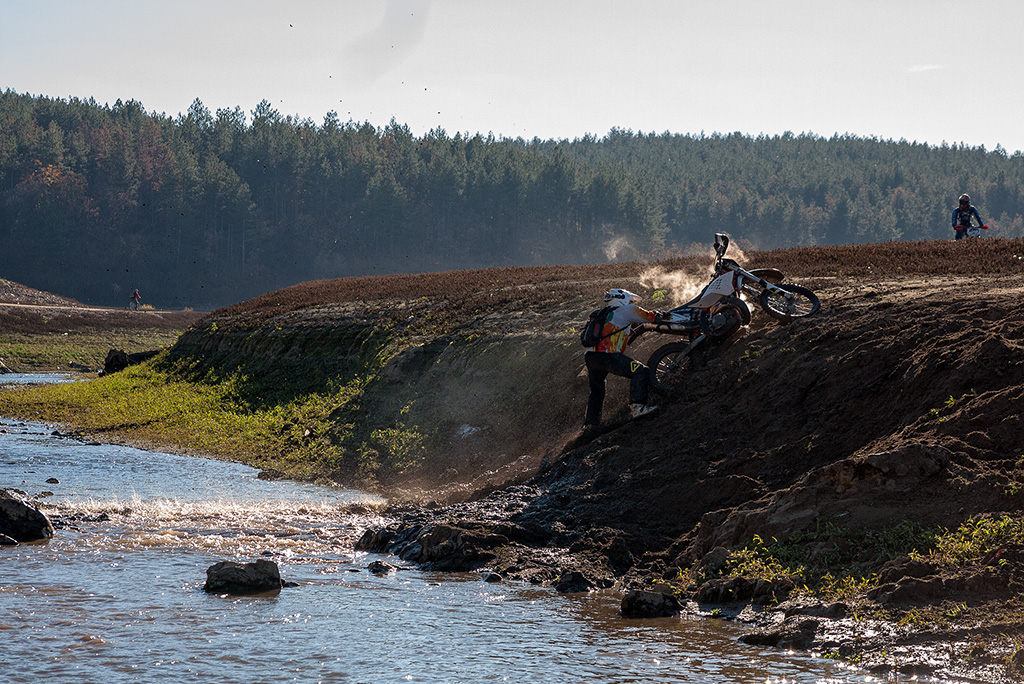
point(719, 311)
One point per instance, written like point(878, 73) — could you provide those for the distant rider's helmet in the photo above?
point(617, 297)
point(965, 198)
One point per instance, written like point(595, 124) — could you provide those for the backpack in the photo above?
point(590, 333)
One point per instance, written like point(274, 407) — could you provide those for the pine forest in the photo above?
point(206, 209)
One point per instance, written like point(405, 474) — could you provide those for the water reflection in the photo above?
point(39, 378)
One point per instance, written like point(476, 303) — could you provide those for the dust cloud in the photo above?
point(680, 287)
point(614, 248)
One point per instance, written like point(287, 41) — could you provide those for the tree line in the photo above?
point(205, 209)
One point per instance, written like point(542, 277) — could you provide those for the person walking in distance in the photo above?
point(607, 356)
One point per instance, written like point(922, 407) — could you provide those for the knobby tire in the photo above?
point(669, 366)
point(804, 303)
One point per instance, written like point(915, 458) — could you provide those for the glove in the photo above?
point(984, 227)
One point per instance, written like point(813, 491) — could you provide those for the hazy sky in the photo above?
point(924, 70)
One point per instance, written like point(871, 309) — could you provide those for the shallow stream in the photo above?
point(116, 595)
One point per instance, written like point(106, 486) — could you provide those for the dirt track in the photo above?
point(40, 331)
point(24, 310)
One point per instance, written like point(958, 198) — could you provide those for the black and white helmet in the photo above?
point(965, 198)
point(617, 297)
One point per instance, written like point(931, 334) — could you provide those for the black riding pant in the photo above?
point(599, 365)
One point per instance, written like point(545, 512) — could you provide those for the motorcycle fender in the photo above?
point(721, 287)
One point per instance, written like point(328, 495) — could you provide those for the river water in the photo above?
point(116, 595)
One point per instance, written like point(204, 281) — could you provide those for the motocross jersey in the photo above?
point(618, 325)
point(962, 217)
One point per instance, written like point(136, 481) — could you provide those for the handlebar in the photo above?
point(721, 243)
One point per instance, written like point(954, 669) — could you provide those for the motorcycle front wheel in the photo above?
point(669, 366)
point(795, 302)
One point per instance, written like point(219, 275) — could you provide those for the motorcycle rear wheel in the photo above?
point(669, 366)
point(803, 303)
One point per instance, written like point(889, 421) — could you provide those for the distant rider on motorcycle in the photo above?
point(962, 218)
point(608, 357)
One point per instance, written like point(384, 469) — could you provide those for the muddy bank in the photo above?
point(891, 416)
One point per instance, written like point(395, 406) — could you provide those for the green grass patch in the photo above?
point(146, 405)
point(830, 561)
point(263, 419)
point(974, 539)
point(28, 353)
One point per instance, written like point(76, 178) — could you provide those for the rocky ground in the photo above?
point(16, 293)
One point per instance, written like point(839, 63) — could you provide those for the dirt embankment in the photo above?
point(896, 409)
point(27, 311)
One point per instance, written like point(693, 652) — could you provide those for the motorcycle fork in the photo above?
point(694, 353)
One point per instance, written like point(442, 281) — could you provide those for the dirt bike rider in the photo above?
point(962, 217)
point(608, 357)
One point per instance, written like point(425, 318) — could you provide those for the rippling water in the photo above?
point(117, 595)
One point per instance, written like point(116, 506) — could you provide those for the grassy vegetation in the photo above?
point(259, 419)
point(143, 404)
point(830, 561)
point(29, 353)
point(974, 540)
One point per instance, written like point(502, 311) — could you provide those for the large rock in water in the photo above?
point(239, 579)
point(649, 604)
point(20, 520)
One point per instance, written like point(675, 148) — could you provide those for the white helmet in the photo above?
point(617, 297)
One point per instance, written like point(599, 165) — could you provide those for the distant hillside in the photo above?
point(16, 293)
point(208, 209)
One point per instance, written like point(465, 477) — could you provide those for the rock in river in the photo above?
point(239, 579)
point(649, 604)
point(20, 520)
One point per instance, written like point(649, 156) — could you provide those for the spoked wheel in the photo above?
point(789, 301)
point(669, 366)
point(753, 288)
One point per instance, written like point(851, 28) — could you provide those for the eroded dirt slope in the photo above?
point(898, 403)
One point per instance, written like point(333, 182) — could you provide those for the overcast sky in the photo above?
point(924, 70)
